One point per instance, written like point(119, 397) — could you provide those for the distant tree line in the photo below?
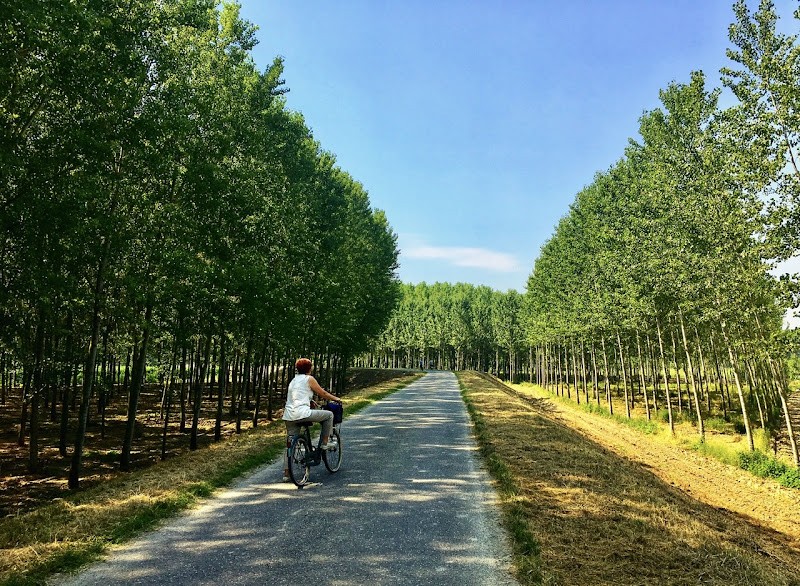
point(657, 280)
point(451, 327)
point(163, 209)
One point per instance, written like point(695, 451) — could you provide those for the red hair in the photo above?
point(303, 366)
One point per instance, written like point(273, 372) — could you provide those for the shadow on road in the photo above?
point(410, 505)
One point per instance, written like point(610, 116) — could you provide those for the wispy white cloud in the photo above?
point(479, 258)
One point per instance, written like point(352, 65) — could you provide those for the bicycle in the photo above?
point(302, 454)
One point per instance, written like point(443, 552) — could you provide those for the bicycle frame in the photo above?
point(302, 454)
point(314, 456)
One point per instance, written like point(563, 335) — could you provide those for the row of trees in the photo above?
point(448, 326)
point(675, 241)
point(158, 199)
point(658, 277)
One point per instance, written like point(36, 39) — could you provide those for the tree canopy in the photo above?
point(157, 188)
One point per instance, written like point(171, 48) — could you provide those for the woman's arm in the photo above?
point(312, 382)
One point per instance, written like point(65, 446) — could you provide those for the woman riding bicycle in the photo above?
point(298, 407)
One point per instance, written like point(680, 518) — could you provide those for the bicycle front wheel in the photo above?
point(299, 469)
point(333, 457)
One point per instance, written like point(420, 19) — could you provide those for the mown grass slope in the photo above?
point(598, 518)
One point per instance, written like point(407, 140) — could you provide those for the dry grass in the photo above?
point(599, 518)
point(22, 491)
point(720, 434)
point(71, 531)
point(721, 441)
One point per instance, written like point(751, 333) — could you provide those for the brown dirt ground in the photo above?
point(604, 515)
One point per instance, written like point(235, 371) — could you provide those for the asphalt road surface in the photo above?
point(410, 505)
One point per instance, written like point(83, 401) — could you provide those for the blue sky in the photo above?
point(474, 124)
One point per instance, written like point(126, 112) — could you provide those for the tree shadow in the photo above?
point(603, 519)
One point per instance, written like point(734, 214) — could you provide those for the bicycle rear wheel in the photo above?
point(333, 456)
point(299, 469)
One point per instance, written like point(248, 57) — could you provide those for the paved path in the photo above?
point(410, 505)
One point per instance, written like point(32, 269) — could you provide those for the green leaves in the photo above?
point(459, 324)
point(671, 227)
point(138, 140)
point(765, 125)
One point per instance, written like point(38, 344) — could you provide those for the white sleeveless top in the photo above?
point(298, 399)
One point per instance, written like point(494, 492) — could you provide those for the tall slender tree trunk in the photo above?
point(641, 376)
point(245, 381)
point(38, 385)
point(782, 385)
point(654, 371)
point(271, 373)
point(33, 444)
point(194, 360)
point(719, 382)
point(575, 371)
point(213, 381)
point(702, 370)
point(88, 379)
point(51, 383)
point(259, 381)
point(136, 390)
point(583, 371)
point(198, 393)
point(700, 426)
point(624, 376)
point(595, 376)
point(546, 366)
point(101, 399)
point(3, 377)
point(785, 409)
point(234, 386)
point(668, 399)
point(182, 398)
point(559, 375)
point(286, 376)
point(754, 391)
point(677, 371)
point(170, 385)
point(27, 378)
point(739, 389)
point(328, 371)
point(64, 425)
point(222, 383)
point(127, 377)
point(605, 376)
point(530, 363)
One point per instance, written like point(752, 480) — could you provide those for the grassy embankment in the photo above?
point(722, 441)
point(580, 514)
point(69, 532)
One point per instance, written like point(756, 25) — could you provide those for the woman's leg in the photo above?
point(326, 418)
point(292, 429)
